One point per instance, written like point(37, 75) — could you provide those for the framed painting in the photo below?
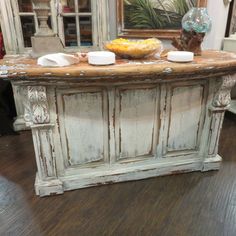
point(152, 18)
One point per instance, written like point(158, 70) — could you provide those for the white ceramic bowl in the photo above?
point(101, 58)
point(180, 56)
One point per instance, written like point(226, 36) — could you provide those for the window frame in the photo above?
point(18, 26)
point(76, 14)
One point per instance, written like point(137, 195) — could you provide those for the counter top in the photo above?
point(217, 62)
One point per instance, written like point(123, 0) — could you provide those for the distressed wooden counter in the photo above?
point(133, 120)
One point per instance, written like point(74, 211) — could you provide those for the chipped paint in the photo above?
point(168, 70)
point(3, 72)
point(209, 68)
point(135, 63)
point(149, 62)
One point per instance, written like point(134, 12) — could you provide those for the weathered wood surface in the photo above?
point(139, 119)
point(186, 108)
point(136, 117)
point(83, 125)
point(233, 106)
point(211, 62)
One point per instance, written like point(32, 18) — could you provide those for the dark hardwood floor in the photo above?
point(194, 204)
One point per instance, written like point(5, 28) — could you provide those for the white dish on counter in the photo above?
point(101, 58)
point(180, 56)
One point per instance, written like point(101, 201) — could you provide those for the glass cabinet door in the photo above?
point(27, 21)
point(78, 23)
point(75, 23)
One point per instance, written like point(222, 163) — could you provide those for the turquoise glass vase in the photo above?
point(197, 19)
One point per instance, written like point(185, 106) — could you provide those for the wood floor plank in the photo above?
point(193, 204)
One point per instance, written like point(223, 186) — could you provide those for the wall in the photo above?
point(213, 40)
point(112, 15)
point(218, 12)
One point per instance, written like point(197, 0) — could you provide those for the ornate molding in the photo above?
point(222, 97)
point(37, 111)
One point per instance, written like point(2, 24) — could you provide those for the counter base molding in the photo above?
point(130, 121)
point(119, 174)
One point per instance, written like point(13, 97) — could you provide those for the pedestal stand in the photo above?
point(44, 40)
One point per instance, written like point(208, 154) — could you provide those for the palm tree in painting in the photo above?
point(164, 9)
point(155, 14)
point(141, 14)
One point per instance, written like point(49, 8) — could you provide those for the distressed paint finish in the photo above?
point(98, 125)
point(136, 120)
point(22, 108)
point(83, 125)
point(232, 107)
point(38, 118)
point(216, 122)
point(185, 115)
point(183, 108)
point(220, 103)
point(42, 137)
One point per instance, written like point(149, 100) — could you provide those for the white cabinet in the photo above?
point(95, 125)
point(111, 133)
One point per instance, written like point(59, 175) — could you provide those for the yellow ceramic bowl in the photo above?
point(134, 49)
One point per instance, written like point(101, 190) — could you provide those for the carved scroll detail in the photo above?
point(26, 104)
point(38, 105)
point(222, 97)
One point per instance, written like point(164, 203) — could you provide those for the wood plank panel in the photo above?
point(47, 151)
point(84, 122)
point(136, 122)
point(215, 128)
point(186, 109)
point(44, 152)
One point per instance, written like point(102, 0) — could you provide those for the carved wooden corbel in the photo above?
point(222, 97)
point(38, 105)
point(220, 104)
